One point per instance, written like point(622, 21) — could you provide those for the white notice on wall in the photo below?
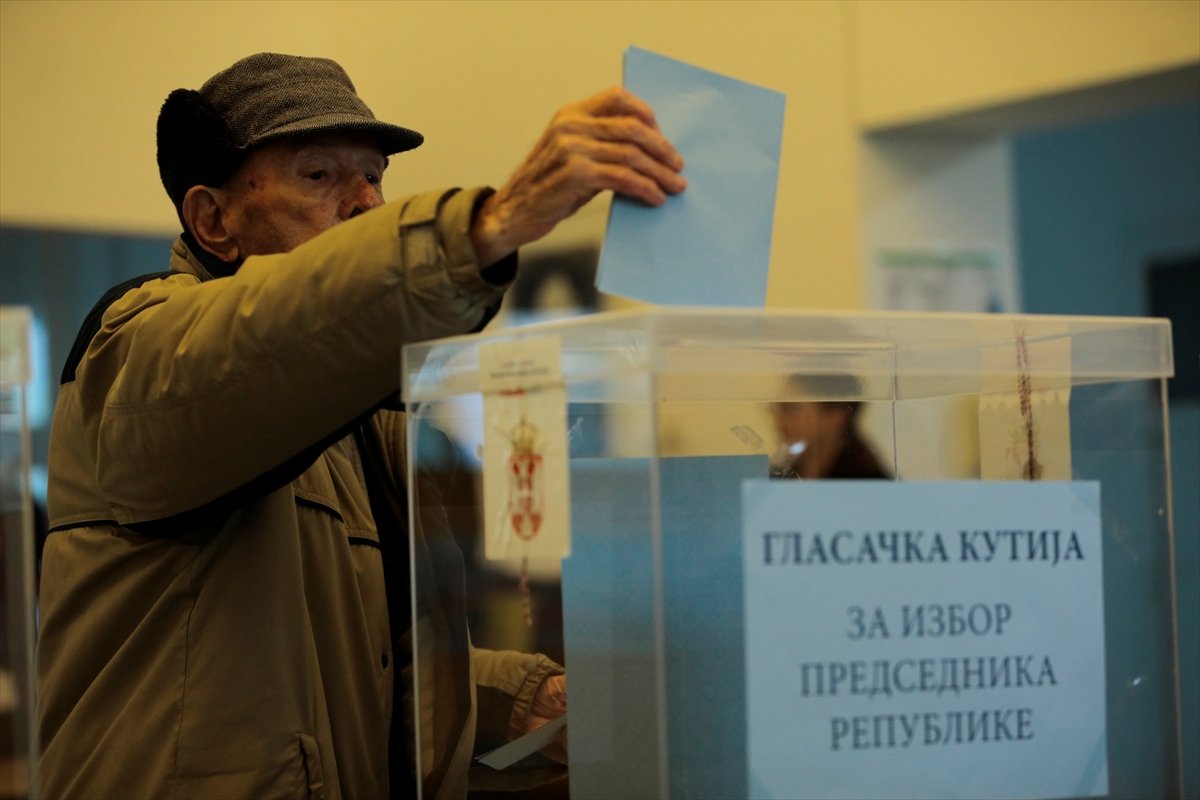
point(526, 492)
point(929, 640)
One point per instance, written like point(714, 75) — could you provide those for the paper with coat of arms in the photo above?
point(526, 491)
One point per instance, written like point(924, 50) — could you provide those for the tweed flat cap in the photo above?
point(203, 135)
point(269, 95)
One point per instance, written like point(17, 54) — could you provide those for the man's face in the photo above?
point(797, 422)
point(288, 191)
point(811, 423)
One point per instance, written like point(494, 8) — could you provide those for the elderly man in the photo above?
point(225, 593)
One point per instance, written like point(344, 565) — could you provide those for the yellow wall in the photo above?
point(81, 82)
point(917, 61)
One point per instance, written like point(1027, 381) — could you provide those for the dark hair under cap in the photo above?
point(204, 135)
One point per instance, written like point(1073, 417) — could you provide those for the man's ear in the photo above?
point(204, 215)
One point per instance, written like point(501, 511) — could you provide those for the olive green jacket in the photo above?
point(206, 631)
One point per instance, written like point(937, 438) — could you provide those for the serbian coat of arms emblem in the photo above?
point(526, 495)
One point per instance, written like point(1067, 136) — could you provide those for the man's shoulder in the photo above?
point(91, 323)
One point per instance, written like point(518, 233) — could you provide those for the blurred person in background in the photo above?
point(819, 438)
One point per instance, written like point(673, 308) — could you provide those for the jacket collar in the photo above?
point(187, 256)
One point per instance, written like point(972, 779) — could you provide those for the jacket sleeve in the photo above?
point(505, 683)
point(191, 389)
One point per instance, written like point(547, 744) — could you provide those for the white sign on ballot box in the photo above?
point(924, 639)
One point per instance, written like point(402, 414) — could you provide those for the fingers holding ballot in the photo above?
point(610, 141)
point(549, 704)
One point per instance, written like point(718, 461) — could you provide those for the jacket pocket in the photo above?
point(313, 787)
point(332, 485)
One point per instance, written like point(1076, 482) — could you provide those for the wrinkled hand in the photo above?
point(550, 703)
point(608, 141)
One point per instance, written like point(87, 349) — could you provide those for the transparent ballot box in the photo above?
point(17, 545)
point(786, 554)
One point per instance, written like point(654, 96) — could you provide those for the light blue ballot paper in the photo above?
point(710, 245)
